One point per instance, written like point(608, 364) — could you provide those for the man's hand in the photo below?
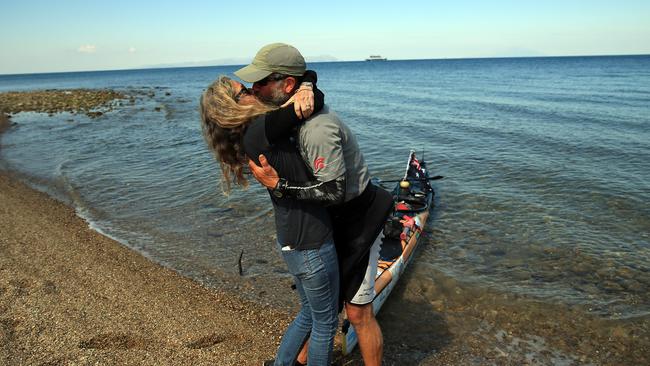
point(264, 174)
point(303, 102)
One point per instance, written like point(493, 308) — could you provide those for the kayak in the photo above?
point(412, 198)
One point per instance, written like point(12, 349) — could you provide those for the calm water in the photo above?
point(547, 166)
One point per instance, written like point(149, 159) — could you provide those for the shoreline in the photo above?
point(4, 122)
point(69, 295)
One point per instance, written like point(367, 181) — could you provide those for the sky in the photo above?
point(75, 35)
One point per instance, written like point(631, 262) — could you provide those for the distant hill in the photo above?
point(234, 61)
point(321, 58)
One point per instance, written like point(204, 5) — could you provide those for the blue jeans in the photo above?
point(316, 273)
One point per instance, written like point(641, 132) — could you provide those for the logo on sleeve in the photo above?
point(319, 163)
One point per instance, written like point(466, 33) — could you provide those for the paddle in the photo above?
point(412, 179)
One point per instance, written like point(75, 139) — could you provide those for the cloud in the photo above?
point(132, 50)
point(88, 48)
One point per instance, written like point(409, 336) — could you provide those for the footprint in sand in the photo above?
point(207, 341)
point(115, 341)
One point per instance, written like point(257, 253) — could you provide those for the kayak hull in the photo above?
point(412, 205)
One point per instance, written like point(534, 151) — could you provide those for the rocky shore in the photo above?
point(93, 102)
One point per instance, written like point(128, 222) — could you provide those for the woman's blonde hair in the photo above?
point(224, 122)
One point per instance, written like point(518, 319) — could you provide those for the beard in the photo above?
point(277, 97)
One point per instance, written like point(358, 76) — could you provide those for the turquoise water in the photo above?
point(546, 164)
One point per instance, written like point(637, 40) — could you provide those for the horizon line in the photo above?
point(318, 62)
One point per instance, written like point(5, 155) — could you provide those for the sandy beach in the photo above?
point(70, 296)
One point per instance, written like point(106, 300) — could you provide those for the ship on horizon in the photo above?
point(376, 58)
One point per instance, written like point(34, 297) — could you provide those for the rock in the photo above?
point(55, 101)
point(612, 286)
point(625, 273)
point(581, 268)
point(448, 284)
point(634, 286)
point(520, 275)
point(513, 262)
point(590, 289)
point(498, 252)
point(458, 252)
point(619, 333)
point(429, 288)
point(550, 275)
point(550, 250)
point(604, 273)
point(438, 305)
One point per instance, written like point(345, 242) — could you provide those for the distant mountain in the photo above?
point(321, 58)
point(233, 61)
point(219, 62)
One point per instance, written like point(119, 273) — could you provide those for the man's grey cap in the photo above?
point(278, 58)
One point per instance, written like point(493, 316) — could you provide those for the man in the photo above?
point(304, 230)
point(342, 183)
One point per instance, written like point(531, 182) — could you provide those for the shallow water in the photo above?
point(546, 165)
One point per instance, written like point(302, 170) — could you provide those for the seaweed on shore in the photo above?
point(92, 102)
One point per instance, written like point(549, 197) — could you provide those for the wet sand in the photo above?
point(472, 325)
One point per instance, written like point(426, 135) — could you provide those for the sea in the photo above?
point(546, 165)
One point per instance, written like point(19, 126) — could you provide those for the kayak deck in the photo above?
point(412, 198)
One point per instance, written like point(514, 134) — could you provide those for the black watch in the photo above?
point(280, 187)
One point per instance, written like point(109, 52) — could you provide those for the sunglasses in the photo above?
point(270, 78)
point(243, 91)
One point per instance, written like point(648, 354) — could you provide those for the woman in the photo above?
point(236, 125)
point(227, 109)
